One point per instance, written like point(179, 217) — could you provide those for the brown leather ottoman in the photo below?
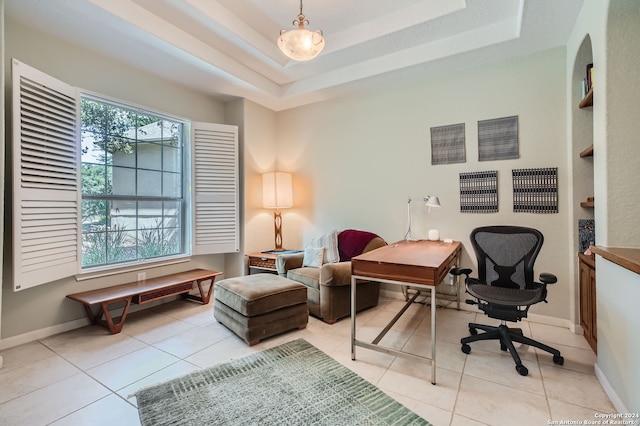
point(258, 306)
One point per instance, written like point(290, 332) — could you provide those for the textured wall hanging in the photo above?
point(479, 192)
point(535, 190)
point(498, 139)
point(586, 234)
point(447, 144)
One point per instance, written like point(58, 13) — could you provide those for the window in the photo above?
point(97, 184)
point(132, 184)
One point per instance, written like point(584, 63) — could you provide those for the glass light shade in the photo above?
point(276, 190)
point(301, 44)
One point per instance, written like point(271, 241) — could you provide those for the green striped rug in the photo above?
point(291, 384)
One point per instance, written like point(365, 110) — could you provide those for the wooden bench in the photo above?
point(143, 292)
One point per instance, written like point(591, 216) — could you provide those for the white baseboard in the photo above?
point(608, 389)
point(43, 333)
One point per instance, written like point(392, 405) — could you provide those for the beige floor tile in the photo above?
point(108, 411)
point(52, 402)
point(500, 368)
point(28, 378)
point(471, 389)
point(151, 327)
point(193, 339)
point(180, 368)
point(458, 420)
point(26, 354)
point(448, 355)
point(498, 405)
point(569, 412)
point(443, 395)
point(575, 388)
point(90, 346)
point(561, 335)
point(187, 311)
point(132, 367)
point(434, 415)
point(226, 350)
point(576, 359)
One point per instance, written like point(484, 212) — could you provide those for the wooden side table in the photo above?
point(264, 262)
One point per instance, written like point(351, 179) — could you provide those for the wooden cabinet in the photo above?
point(588, 322)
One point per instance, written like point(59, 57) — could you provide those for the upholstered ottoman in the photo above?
point(258, 306)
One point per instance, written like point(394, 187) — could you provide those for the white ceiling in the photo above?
point(228, 47)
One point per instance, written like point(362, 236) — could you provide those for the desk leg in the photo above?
point(433, 336)
point(353, 319)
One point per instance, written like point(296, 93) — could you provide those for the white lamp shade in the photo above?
point(431, 201)
point(276, 190)
point(301, 44)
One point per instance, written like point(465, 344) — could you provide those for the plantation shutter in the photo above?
point(46, 178)
point(215, 189)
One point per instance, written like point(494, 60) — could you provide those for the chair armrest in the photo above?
point(547, 278)
point(285, 262)
point(460, 271)
point(335, 274)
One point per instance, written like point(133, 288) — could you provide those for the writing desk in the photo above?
point(422, 265)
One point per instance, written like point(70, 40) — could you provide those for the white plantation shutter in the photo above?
point(46, 178)
point(215, 189)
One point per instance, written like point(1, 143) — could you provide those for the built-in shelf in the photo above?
point(588, 99)
point(588, 203)
point(628, 258)
point(587, 152)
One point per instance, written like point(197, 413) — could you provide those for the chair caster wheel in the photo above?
point(522, 370)
point(473, 331)
point(466, 348)
point(557, 359)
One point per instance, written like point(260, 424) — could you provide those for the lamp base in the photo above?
point(277, 222)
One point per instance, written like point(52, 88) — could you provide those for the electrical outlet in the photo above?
point(142, 276)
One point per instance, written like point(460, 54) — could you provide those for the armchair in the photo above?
point(329, 287)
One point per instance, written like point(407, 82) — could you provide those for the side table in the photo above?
point(265, 261)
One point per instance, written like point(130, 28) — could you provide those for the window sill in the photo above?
point(100, 272)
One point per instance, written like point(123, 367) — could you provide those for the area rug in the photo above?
point(291, 384)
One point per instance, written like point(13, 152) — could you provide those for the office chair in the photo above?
point(505, 288)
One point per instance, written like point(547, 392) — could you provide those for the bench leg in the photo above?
point(203, 298)
point(108, 322)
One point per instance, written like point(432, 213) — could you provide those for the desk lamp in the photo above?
point(429, 201)
point(277, 194)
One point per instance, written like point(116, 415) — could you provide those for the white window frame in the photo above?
point(46, 221)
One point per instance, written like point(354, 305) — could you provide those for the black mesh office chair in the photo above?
point(505, 288)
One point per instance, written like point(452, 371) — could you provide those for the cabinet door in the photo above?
point(592, 301)
point(585, 300)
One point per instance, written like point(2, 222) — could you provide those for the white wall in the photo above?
point(356, 159)
point(613, 29)
point(45, 309)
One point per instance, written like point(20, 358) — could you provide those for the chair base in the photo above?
point(507, 336)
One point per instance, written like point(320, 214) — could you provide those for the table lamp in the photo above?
point(277, 194)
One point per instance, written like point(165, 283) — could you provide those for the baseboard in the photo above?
point(608, 389)
point(43, 333)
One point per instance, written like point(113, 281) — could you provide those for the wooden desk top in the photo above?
point(420, 262)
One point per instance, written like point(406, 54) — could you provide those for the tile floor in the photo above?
point(87, 376)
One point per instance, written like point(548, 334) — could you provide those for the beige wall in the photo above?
point(45, 309)
point(613, 32)
point(357, 159)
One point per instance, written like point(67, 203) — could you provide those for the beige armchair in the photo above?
point(329, 287)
